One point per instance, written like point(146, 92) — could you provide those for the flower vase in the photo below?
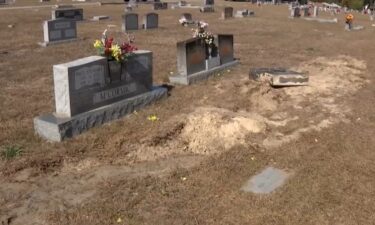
point(114, 70)
point(213, 59)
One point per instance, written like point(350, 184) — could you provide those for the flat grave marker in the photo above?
point(266, 181)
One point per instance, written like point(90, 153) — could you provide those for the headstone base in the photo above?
point(45, 44)
point(54, 128)
point(203, 75)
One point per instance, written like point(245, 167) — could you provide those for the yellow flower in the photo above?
point(98, 44)
point(153, 118)
point(116, 52)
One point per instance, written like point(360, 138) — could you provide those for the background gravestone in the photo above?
point(209, 2)
point(130, 22)
point(59, 31)
point(191, 56)
point(227, 13)
point(160, 5)
point(226, 50)
point(187, 16)
point(68, 13)
point(151, 21)
point(315, 11)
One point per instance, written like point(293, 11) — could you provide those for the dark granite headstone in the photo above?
point(191, 56)
point(130, 22)
point(68, 13)
point(226, 50)
point(227, 13)
point(187, 16)
point(59, 30)
point(151, 21)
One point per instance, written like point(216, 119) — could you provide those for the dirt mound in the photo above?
point(209, 130)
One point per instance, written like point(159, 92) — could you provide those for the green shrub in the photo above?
point(10, 152)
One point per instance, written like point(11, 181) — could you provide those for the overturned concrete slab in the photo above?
point(289, 79)
point(279, 77)
point(266, 181)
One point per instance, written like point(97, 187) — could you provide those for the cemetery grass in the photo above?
point(135, 171)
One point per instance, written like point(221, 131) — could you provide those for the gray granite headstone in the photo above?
point(315, 11)
point(306, 12)
point(266, 181)
point(151, 21)
point(130, 22)
point(226, 50)
point(59, 30)
point(89, 83)
point(295, 12)
point(191, 56)
point(227, 13)
point(182, 3)
point(68, 13)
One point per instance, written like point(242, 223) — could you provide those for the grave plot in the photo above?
point(196, 60)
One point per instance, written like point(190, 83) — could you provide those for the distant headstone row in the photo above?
point(150, 21)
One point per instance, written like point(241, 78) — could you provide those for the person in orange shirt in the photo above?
point(349, 20)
